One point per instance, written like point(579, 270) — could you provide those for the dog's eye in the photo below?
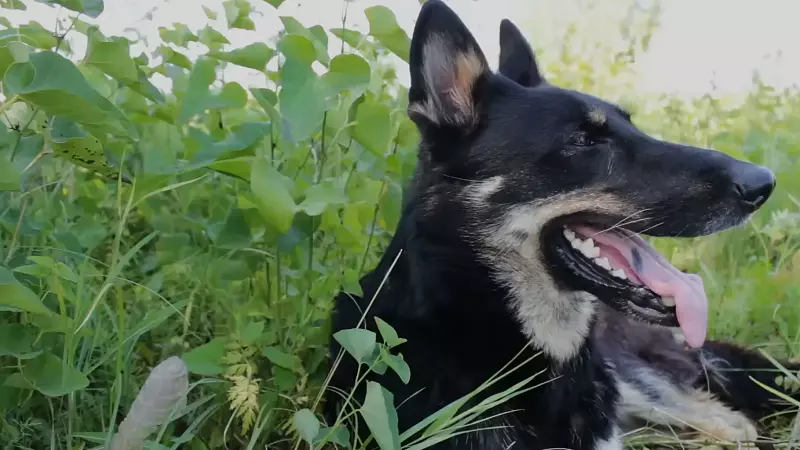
point(581, 140)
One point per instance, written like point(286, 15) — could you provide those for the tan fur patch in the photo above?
point(450, 78)
point(597, 117)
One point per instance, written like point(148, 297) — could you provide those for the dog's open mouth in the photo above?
point(625, 271)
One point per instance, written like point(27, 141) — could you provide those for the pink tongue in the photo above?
point(662, 278)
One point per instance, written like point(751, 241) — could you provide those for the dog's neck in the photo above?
point(502, 276)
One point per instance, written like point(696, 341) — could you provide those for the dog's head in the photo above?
point(561, 182)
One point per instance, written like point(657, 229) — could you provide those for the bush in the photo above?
point(216, 223)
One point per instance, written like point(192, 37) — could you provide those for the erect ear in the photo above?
point(448, 69)
point(516, 56)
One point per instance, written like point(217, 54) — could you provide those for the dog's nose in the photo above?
point(753, 184)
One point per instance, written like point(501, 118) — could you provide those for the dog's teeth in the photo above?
point(591, 252)
point(576, 243)
point(603, 262)
point(569, 234)
point(668, 301)
point(619, 273)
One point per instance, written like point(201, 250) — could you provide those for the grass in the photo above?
point(233, 269)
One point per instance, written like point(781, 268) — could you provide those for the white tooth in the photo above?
point(668, 300)
point(603, 262)
point(592, 252)
point(619, 273)
point(569, 234)
point(576, 243)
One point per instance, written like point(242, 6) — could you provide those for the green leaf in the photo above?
point(170, 56)
point(398, 364)
point(212, 38)
point(16, 295)
point(275, 3)
point(302, 105)
point(254, 56)
point(242, 137)
point(33, 34)
point(211, 14)
point(282, 359)
point(383, 27)
point(92, 8)
point(206, 360)
point(11, 4)
point(267, 99)
point(237, 13)
point(351, 37)
point(347, 71)
point(18, 340)
point(339, 436)
point(316, 35)
point(388, 334)
point(373, 127)
point(199, 98)
point(53, 83)
point(10, 176)
point(179, 35)
point(112, 56)
point(74, 144)
point(12, 52)
point(297, 47)
point(273, 200)
point(359, 343)
point(53, 377)
point(320, 196)
point(380, 415)
point(307, 424)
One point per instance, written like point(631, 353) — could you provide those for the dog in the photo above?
point(662, 381)
point(520, 230)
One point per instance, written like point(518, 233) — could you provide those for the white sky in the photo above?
point(698, 42)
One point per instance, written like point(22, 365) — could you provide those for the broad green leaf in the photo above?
point(306, 424)
point(373, 127)
point(273, 199)
point(53, 377)
point(242, 137)
point(10, 176)
point(210, 13)
point(316, 35)
point(383, 27)
point(179, 35)
point(359, 343)
point(339, 436)
point(112, 56)
point(92, 8)
point(212, 38)
point(297, 47)
point(206, 359)
point(11, 4)
point(380, 415)
point(18, 340)
point(74, 144)
point(199, 98)
point(320, 196)
point(236, 167)
point(16, 295)
point(388, 334)
point(173, 57)
point(254, 56)
point(237, 14)
point(347, 71)
point(275, 3)
point(282, 359)
point(267, 99)
point(53, 83)
point(351, 37)
point(13, 52)
point(302, 104)
point(398, 364)
point(33, 34)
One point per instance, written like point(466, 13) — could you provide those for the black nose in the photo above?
point(753, 184)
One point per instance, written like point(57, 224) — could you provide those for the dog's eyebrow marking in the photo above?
point(596, 116)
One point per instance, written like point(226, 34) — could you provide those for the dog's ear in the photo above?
point(517, 61)
point(448, 70)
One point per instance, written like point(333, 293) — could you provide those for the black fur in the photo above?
point(461, 291)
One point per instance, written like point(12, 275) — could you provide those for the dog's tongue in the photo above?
point(661, 277)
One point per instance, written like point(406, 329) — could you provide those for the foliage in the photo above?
point(215, 223)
